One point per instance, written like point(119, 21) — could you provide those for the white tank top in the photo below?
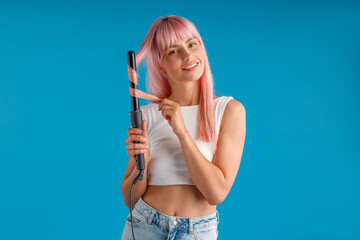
point(167, 164)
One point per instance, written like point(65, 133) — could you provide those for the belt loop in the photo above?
point(217, 215)
point(151, 217)
point(190, 225)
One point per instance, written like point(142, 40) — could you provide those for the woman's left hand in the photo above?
point(171, 111)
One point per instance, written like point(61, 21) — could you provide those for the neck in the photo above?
point(185, 93)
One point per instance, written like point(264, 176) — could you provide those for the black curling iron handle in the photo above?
point(136, 122)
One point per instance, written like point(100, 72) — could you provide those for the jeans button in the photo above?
point(174, 222)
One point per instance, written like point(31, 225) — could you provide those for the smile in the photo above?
point(192, 68)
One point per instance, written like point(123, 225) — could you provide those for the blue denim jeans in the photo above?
point(150, 224)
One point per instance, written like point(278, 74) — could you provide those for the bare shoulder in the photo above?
point(234, 112)
point(235, 105)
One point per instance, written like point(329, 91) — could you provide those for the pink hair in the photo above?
point(163, 33)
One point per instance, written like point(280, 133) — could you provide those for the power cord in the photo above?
point(139, 176)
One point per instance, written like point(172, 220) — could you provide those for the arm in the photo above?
point(215, 179)
point(139, 188)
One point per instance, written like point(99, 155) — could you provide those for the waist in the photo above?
point(178, 200)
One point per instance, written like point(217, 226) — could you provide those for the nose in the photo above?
point(187, 56)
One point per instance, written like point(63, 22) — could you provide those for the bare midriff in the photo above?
point(178, 200)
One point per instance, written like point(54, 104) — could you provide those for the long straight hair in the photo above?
point(163, 33)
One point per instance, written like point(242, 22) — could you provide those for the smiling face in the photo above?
point(182, 54)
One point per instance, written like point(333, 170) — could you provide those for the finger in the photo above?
point(167, 114)
point(138, 138)
point(163, 103)
point(136, 146)
point(133, 152)
point(144, 128)
point(168, 102)
point(168, 107)
point(167, 117)
point(134, 131)
point(132, 146)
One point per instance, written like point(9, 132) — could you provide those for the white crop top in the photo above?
point(167, 164)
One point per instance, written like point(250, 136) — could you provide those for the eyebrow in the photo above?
point(185, 42)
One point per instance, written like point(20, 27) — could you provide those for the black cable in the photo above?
point(139, 176)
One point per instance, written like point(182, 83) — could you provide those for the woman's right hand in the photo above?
point(138, 148)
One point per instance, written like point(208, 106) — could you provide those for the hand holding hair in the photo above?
point(171, 111)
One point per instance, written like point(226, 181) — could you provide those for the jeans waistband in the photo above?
point(167, 222)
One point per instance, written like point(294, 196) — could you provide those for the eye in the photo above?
point(172, 52)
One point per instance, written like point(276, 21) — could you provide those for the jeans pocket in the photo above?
point(137, 218)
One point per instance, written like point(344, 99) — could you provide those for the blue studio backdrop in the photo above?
point(64, 114)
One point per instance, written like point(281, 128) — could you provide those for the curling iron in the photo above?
point(136, 122)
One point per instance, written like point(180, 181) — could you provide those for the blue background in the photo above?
point(64, 102)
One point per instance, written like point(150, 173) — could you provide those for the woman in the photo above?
point(196, 140)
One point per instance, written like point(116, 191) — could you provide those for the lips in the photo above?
point(190, 65)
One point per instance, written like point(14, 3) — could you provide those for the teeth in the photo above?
point(191, 66)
